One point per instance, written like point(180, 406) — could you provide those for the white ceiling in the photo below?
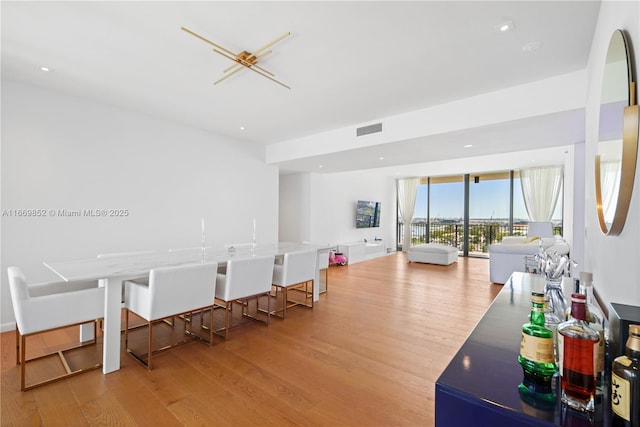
point(347, 63)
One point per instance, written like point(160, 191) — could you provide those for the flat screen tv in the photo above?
point(367, 214)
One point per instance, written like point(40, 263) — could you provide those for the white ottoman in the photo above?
point(433, 253)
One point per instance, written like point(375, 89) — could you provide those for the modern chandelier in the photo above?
point(244, 59)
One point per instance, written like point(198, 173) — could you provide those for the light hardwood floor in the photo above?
point(368, 354)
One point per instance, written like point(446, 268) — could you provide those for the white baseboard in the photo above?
point(9, 326)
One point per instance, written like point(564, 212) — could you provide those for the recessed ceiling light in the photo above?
point(381, 158)
point(468, 146)
point(505, 26)
point(45, 69)
point(319, 166)
point(241, 127)
point(531, 47)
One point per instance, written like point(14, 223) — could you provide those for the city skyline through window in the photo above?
point(492, 196)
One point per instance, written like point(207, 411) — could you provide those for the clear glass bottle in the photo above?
point(536, 346)
point(576, 342)
point(557, 304)
point(555, 310)
point(625, 383)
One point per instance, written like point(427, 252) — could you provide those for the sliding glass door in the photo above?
point(489, 210)
point(446, 210)
point(471, 211)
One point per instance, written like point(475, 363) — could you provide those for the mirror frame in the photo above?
point(630, 119)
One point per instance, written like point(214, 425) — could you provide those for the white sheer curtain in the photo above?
point(609, 187)
point(407, 192)
point(540, 190)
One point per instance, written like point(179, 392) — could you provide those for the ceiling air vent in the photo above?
point(366, 130)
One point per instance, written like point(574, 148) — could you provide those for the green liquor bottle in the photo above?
point(536, 347)
point(625, 383)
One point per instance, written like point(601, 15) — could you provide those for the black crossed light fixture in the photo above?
point(244, 59)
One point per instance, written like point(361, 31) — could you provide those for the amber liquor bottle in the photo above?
point(625, 383)
point(595, 317)
point(577, 342)
point(536, 346)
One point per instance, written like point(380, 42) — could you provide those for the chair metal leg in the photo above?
point(210, 326)
point(23, 362)
point(186, 317)
point(17, 345)
point(284, 302)
point(282, 291)
point(227, 318)
point(150, 345)
point(22, 359)
point(223, 331)
point(268, 309)
point(297, 287)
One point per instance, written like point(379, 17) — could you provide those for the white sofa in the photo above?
point(509, 255)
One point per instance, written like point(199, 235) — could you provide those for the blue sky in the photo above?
point(487, 199)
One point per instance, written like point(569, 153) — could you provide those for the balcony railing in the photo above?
point(481, 234)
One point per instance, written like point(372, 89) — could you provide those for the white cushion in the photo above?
point(515, 248)
point(433, 248)
point(433, 253)
point(509, 240)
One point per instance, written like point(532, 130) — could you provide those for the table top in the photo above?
point(131, 265)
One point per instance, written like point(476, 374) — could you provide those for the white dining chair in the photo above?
point(295, 274)
point(245, 279)
point(169, 292)
point(45, 307)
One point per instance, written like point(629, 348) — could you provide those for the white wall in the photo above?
point(613, 260)
point(294, 208)
point(557, 94)
point(61, 152)
point(574, 230)
point(333, 198)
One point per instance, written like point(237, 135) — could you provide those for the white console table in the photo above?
point(362, 251)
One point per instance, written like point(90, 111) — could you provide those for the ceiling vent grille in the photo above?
point(366, 130)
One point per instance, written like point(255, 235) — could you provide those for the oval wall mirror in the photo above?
point(617, 138)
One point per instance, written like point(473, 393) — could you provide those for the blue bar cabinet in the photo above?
point(479, 387)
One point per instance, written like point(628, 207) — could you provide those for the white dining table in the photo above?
point(111, 271)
